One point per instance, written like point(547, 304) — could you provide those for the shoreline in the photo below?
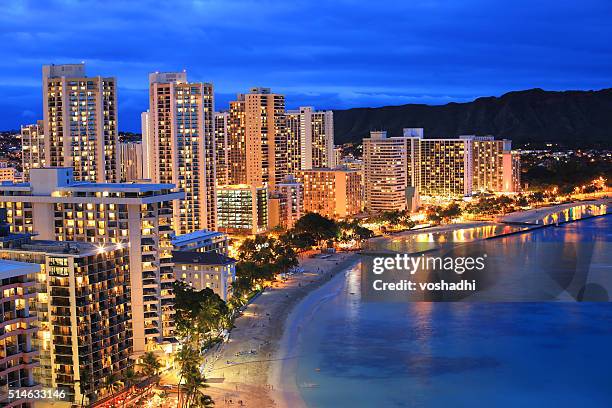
point(272, 323)
point(235, 373)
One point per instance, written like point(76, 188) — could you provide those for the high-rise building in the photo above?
point(222, 147)
point(387, 176)
point(181, 127)
point(18, 356)
point(32, 147)
point(444, 167)
point(512, 171)
point(258, 139)
point(80, 122)
point(243, 209)
point(398, 170)
point(294, 141)
point(83, 314)
point(132, 164)
point(311, 139)
point(147, 146)
point(201, 270)
point(286, 204)
point(138, 215)
point(333, 193)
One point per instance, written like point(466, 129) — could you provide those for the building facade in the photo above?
point(80, 123)
point(242, 209)
point(310, 139)
point(222, 150)
point(201, 270)
point(286, 204)
point(18, 356)
point(258, 139)
point(32, 147)
point(181, 126)
point(387, 165)
point(139, 215)
point(132, 164)
point(83, 314)
point(333, 193)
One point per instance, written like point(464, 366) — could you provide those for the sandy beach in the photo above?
point(239, 370)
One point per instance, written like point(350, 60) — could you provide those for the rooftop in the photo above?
point(201, 258)
point(196, 235)
point(11, 269)
point(56, 247)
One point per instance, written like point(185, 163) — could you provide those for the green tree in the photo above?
point(150, 365)
point(319, 227)
point(84, 384)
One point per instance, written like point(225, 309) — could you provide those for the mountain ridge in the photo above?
point(572, 118)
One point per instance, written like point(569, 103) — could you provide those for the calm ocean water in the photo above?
point(546, 354)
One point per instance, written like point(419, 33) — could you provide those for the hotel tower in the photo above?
point(258, 139)
point(182, 145)
point(32, 147)
point(138, 216)
point(80, 122)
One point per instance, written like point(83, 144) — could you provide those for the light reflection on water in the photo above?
point(462, 354)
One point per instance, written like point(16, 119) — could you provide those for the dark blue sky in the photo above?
point(330, 54)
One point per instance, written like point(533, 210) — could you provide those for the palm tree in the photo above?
point(84, 383)
point(150, 365)
point(188, 359)
point(110, 383)
point(194, 397)
point(129, 376)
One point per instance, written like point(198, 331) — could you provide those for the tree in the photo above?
point(189, 360)
point(129, 377)
point(451, 211)
point(150, 365)
point(84, 384)
point(110, 383)
point(319, 227)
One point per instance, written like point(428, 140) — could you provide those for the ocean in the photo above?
point(357, 353)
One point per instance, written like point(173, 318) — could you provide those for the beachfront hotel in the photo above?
point(201, 270)
point(32, 147)
point(83, 316)
point(242, 209)
point(58, 208)
point(286, 204)
point(80, 122)
point(258, 139)
point(400, 170)
point(18, 356)
point(181, 142)
point(333, 193)
point(387, 163)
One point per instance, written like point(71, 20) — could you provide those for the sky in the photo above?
point(332, 54)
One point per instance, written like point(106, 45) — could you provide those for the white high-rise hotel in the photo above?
point(80, 122)
point(180, 146)
point(310, 139)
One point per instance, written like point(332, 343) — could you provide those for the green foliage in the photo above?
point(150, 365)
point(319, 227)
point(197, 312)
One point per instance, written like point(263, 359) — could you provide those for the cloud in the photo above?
point(333, 54)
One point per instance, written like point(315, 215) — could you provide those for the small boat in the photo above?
point(317, 369)
point(309, 385)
